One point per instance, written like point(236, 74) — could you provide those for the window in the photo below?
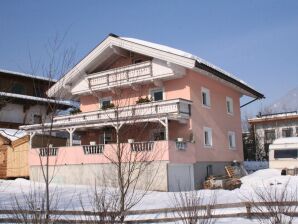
point(283, 154)
point(157, 94)
point(209, 170)
point(138, 60)
point(232, 140)
point(230, 107)
point(287, 132)
point(206, 97)
point(105, 102)
point(158, 135)
point(296, 131)
point(18, 88)
point(207, 137)
point(106, 138)
point(269, 136)
point(36, 119)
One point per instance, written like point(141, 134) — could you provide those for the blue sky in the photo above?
point(255, 40)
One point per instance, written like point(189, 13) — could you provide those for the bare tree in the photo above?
point(133, 166)
point(273, 204)
point(57, 63)
point(103, 204)
point(30, 207)
point(194, 207)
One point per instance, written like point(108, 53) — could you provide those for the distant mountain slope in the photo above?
point(288, 102)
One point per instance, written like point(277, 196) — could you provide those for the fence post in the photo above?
point(248, 210)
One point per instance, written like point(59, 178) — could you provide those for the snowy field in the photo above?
point(71, 196)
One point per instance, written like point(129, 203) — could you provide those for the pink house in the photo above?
point(176, 106)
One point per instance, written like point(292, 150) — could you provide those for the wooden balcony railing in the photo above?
point(142, 146)
point(120, 76)
point(48, 151)
point(93, 149)
point(174, 107)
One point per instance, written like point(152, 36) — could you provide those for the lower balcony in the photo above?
point(175, 109)
point(172, 151)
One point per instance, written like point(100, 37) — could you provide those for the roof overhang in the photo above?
point(113, 43)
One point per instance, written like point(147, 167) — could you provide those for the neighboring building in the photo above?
point(23, 99)
point(268, 127)
point(14, 146)
point(195, 105)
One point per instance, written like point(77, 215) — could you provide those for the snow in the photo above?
point(183, 54)
point(12, 134)
point(34, 98)
point(27, 75)
point(71, 196)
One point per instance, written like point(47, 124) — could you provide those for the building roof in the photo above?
point(154, 50)
point(289, 140)
point(12, 134)
point(274, 117)
point(38, 99)
point(26, 75)
point(199, 61)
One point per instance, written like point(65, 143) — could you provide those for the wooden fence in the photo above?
point(163, 215)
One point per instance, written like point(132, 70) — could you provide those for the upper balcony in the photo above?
point(141, 73)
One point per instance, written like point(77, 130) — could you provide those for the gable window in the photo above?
point(36, 119)
point(287, 132)
point(206, 101)
point(207, 137)
point(157, 94)
point(230, 106)
point(138, 60)
point(269, 136)
point(18, 88)
point(105, 102)
point(232, 140)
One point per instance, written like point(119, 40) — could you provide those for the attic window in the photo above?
point(138, 60)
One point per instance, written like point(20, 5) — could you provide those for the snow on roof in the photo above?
point(290, 140)
point(40, 99)
point(12, 134)
point(27, 75)
point(183, 54)
point(274, 116)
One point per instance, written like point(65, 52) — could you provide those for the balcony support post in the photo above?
point(32, 134)
point(167, 129)
point(70, 131)
point(165, 123)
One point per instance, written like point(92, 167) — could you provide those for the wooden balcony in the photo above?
point(120, 76)
point(135, 74)
point(176, 109)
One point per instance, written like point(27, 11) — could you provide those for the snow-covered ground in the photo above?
point(70, 196)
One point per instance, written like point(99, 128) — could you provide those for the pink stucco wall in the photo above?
point(162, 151)
point(189, 87)
point(215, 117)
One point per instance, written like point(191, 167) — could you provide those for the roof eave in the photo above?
point(221, 75)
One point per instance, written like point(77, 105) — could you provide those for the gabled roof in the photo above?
point(7, 72)
point(153, 50)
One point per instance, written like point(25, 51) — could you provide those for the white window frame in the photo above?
point(233, 135)
point(209, 131)
point(104, 99)
point(208, 97)
point(230, 101)
point(152, 90)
